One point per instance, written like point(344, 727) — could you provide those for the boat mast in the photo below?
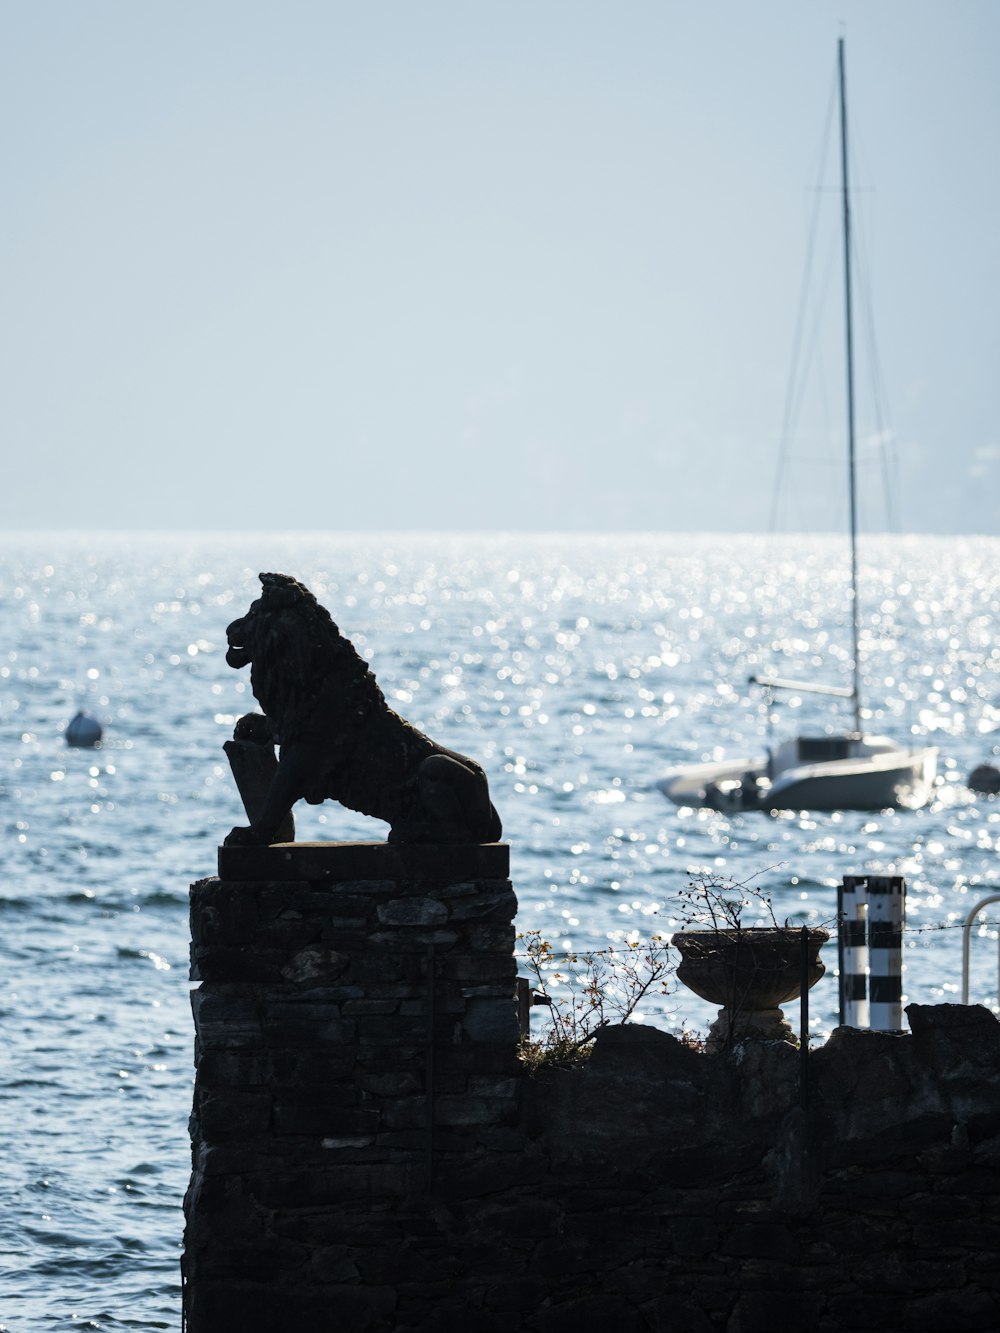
point(848, 333)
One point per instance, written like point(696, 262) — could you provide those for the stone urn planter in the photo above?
point(751, 972)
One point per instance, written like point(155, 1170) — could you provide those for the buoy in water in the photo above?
point(84, 730)
point(985, 779)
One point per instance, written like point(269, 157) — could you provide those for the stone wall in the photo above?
point(367, 1154)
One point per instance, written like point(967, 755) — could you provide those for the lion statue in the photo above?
point(338, 739)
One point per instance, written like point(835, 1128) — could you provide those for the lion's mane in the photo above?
point(309, 679)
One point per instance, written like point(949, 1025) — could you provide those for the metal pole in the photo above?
point(849, 356)
point(886, 910)
point(966, 940)
point(429, 1076)
point(841, 992)
point(524, 1006)
point(804, 1019)
point(854, 973)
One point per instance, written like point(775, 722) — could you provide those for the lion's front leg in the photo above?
point(254, 763)
point(298, 767)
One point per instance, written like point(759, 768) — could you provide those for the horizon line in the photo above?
point(327, 534)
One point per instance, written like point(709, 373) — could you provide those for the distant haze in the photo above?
point(435, 265)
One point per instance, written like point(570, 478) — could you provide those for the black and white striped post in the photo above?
point(852, 940)
point(871, 910)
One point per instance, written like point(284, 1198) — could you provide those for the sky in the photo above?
point(470, 265)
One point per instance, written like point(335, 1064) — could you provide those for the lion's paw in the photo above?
point(241, 837)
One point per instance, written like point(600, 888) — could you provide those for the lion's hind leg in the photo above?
point(456, 802)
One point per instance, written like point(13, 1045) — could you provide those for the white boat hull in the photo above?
point(880, 776)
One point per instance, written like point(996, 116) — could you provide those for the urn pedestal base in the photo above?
point(755, 1025)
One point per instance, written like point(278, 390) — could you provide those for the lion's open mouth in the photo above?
point(239, 654)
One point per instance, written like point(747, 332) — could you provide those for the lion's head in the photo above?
point(295, 651)
point(254, 634)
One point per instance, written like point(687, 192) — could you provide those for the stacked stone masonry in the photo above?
point(368, 1155)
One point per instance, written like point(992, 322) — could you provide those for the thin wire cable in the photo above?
point(888, 461)
point(793, 394)
point(906, 930)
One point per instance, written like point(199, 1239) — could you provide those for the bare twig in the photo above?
point(590, 991)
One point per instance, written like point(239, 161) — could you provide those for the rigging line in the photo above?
point(849, 367)
point(860, 250)
point(813, 358)
point(794, 378)
point(884, 434)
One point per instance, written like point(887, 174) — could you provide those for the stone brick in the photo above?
point(262, 1308)
point(412, 912)
point(956, 1311)
point(405, 1112)
point(470, 1110)
point(355, 1008)
point(695, 1236)
point(766, 1311)
point(670, 1314)
point(227, 1020)
point(223, 913)
point(479, 968)
point(310, 1115)
point(491, 1020)
point(222, 963)
point(230, 1068)
point(585, 1312)
point(407, 940)
point(490, 939)
point(520, 1294)
point(232, 1113)
point(391, 1085)
point(499, 906)
point(376, 1029)
point(301, 1025)
point(315, 963)
point(303, 1066)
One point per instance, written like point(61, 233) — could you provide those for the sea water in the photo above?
point(577, 670)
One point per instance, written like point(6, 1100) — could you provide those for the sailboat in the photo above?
point(851, 771)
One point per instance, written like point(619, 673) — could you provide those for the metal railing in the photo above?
point(967, 940)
